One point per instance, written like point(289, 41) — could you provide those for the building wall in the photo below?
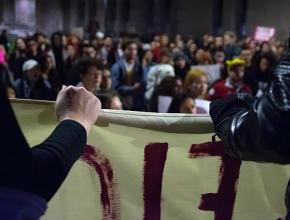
point(193, 17)
point(49, 15)
point(8, 10)
point(187, 17)
point(229, 15)
point(267, 13)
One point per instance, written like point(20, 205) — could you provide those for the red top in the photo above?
point(224, 88)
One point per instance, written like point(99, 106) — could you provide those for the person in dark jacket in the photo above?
point(4, 39)
point(181, 66)
point(31, 176)
point(18, 58)
point(257, 129)
point(57, 49)
point(32, 85)
point(128, 78)
point(261, 75)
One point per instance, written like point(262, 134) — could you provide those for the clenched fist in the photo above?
point(78, 104)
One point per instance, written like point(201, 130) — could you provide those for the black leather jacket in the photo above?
point(258, 129)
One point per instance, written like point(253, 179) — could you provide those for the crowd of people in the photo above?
point(179, 75)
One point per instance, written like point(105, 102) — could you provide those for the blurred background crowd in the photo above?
point(163, 74)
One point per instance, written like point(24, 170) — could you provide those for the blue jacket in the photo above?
point(42, 90)
point(118, 80)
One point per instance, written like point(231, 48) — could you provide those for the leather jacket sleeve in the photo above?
point(257, 129)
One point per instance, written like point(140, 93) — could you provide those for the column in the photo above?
point(49, 17)
point(173, 17)
point(111, 15)
point(194, 17)
point(136, 16)
point(8, 13)
point(25, 14)
point(120, 23)
point(160, 16)
point(100, 14)
point(229, 15)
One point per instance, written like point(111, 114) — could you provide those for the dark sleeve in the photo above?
point(57, 154)
point(257, 130)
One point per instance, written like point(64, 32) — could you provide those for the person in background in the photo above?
point(194, 94)
point(32, 85)
point(147, 60)
point(196, 84)
point(116, 53)
point(205, 58)
point(106, 49)
point(262, 74)
point(155, 76)
point(246, 55)
point(32, 50)
point(263, 49)
point(156, 49)
point(219, 58)
point(157, 73)
point(58, 53)
point(5, 75)
point(233, 83)
point(17, 58)
point(48, 70)
point(43, 44)
point(128, 78)
point(218, 44)
point(108, 96)
point(180, 66)
point(207, 42)
point(71, 57)
point(90, 74)
point(280, 51)
point(197, 56)
point(188, 106)
point(106, 88)
point(89, 52)
point(165, 92)
point(230, 48)
point(4, 39)
point(111, 101)
point(190, 49)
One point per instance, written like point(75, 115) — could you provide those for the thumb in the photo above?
point(63, 87)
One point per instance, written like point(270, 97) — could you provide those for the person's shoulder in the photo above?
point(217, 89)
point(247, 88)
point(118, 63)
point(17, 82)
point(219, 84)
point(46, 84)
point(116, 66)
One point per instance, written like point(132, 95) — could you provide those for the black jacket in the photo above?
point(258, 129)
point(39, 170)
